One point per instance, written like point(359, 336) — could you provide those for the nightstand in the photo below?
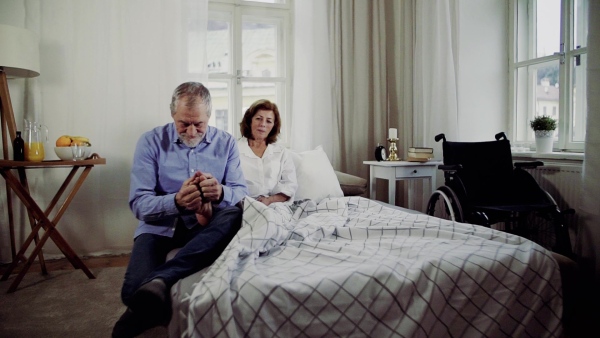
point(402, 170)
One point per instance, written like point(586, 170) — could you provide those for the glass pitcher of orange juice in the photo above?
point(35, 137)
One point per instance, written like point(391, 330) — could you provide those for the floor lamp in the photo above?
point(19, 58)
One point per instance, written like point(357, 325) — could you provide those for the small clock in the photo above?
point(380, 153)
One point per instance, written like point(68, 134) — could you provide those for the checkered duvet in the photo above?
point(352, 267)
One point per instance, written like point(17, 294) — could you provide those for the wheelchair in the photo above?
point(482, 186)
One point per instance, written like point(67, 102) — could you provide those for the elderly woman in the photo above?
point(268, 167)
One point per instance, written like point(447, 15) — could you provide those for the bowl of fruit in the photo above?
point(65, 142)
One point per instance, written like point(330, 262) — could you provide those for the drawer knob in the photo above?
point(415, 171)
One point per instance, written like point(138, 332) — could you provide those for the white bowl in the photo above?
point(65, 153)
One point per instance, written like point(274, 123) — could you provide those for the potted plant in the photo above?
point(544, 127)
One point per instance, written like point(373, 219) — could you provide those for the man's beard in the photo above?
point(189, 141)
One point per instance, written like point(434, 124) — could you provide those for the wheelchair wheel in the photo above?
point(444, 203)
point(548, 229)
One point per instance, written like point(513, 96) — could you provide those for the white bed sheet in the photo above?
point(353, 267)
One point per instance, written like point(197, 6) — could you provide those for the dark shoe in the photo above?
point(131, 324)
point(152, 301)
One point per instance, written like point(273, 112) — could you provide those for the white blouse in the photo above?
point(274, 173)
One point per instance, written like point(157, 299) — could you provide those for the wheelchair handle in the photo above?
point(450, 167)
point(500, 135)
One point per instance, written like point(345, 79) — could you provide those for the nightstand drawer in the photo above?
point(416, 171)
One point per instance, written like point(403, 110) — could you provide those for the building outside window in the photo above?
point(548, 68)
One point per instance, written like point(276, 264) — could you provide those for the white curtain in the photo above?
point(312, 120)
point(108, 69)
point(435, 72)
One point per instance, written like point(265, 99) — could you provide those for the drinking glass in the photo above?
point(78, 152)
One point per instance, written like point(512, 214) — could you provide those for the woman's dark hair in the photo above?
point(246, 124)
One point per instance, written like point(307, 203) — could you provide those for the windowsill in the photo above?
point(563, 156)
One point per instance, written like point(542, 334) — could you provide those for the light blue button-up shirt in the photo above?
point(160, 165)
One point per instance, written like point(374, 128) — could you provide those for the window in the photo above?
point(548, 67)
point(248, 55)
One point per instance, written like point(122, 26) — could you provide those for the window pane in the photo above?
point(260, 48)
point(221, 116)
point(219, 47)
point(580, 24)
point(579, 101)
point(537, 93)
point(547, 27)
point(537, 29)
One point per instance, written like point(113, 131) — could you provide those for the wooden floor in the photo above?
point(64, 264)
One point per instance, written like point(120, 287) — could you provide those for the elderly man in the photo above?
point(186, 180)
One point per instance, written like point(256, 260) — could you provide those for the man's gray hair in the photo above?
point(193, 91)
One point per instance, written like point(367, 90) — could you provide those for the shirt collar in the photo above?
point(244, 148)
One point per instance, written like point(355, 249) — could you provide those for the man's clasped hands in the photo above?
point(197, 194)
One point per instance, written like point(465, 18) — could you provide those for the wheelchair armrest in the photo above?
point(450, 167)
point(529, 165)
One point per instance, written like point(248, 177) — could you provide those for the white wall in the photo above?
point(483, 69)
point(107, 72)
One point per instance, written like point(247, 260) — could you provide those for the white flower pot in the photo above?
point(544, 140)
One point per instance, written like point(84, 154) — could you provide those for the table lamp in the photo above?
point(19, 58)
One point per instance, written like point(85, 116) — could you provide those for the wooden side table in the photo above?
point(38, 217)
point(402, 170)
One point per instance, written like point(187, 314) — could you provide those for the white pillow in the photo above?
point(316, 178)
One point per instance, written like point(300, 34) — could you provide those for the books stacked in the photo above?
point(419, 154)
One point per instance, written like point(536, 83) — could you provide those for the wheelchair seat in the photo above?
point(483, 186)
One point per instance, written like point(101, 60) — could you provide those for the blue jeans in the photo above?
point(200, 247)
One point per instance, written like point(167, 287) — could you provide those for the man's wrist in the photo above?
point(217, 202)
point(179, 207)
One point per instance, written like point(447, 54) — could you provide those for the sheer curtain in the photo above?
point(108, 69)
point(435, 72)
point(312, 120)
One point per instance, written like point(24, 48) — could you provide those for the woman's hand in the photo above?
point(267, 200)
point(264, 200)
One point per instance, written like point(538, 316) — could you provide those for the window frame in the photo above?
point(565, 58)
point(281, 14)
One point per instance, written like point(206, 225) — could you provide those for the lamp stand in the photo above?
point(7, 122)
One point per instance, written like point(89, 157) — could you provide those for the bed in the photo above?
point(353, 267)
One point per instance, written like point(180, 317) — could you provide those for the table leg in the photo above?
point(25, 184)
point(372, 184)
point(11, 224)
point(411, 194)
point(431, 190)
point(42, 221)
point(391, 191)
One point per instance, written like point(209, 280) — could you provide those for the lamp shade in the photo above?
point(19, 52)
